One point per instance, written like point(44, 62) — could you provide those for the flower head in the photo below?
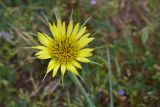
point(121, 92)
point(93, 2)
point(66, 48)
point(6, 35)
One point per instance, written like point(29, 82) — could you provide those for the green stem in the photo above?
point(79, 85)
point(110, 79)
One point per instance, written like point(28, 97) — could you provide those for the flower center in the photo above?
point(64, 51)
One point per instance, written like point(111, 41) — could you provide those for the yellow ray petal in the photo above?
point(44, 39)
point(48, 37)
point(53, 30)
point(63, 29)
point(59, 29)
point(51, 65)
point(42, 53)
point(86, 35)
point(43, 56)
point(69, 29)
point(83, 59)
point(85, 52)
point(72, 69)
point(75, 30)
point(40, 47)
point(76, 64)
point(84, 42)
point(81, 32)
point(59, 25)
point(55, 70)
point(63, 69)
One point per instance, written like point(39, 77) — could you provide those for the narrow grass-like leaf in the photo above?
point(110, 79)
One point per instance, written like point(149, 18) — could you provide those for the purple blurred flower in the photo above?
point(6, 35)
point(93, 2)
point(121, 92)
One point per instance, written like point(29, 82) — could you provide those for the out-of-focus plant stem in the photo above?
point(81, 88)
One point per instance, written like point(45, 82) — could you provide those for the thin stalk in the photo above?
point(110, 79)
point(81, 88)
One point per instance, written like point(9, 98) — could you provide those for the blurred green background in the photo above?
point(130, 28)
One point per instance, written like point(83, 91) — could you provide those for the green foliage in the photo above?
point(130, 28)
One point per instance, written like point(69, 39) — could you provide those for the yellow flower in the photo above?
point(66, 48)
